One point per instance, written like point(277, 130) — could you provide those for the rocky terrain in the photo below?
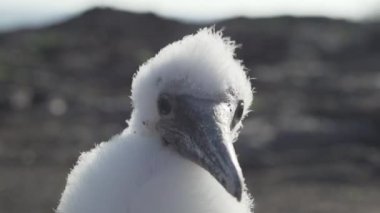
point(311, 144)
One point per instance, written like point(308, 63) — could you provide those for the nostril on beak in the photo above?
point(223, 182)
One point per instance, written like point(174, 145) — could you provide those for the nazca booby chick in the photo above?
point(177, 155)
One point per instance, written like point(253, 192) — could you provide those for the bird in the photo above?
point(176, 154)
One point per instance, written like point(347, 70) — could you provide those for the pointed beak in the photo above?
point(216, 158)
point(195, 133)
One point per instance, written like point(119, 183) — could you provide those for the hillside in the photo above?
point(312, 143)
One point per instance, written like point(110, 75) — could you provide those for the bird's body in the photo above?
point(165, 182)
point(159, 163)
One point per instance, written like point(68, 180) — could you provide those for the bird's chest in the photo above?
point(182, 186)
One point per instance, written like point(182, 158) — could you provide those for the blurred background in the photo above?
point(312, 143)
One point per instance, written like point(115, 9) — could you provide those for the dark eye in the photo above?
point(164, 106)
point(238, 114)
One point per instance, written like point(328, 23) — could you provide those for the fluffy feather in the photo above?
point(134, 172)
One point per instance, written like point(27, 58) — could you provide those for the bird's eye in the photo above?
point(164, 106)
point(238, 114)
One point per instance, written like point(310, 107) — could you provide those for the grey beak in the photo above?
point(216, 158)
point(195, 133)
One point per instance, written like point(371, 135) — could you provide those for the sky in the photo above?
point(29, 13)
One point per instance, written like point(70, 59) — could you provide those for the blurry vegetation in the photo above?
point(143, 55)
point(45, 45)
point(311, 143)
point(5, 71)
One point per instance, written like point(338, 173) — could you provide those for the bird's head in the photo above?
point(194, 94)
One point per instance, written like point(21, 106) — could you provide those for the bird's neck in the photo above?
point(176, 184)
point(171, 183)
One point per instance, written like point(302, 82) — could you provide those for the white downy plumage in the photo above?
point(177, 154)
